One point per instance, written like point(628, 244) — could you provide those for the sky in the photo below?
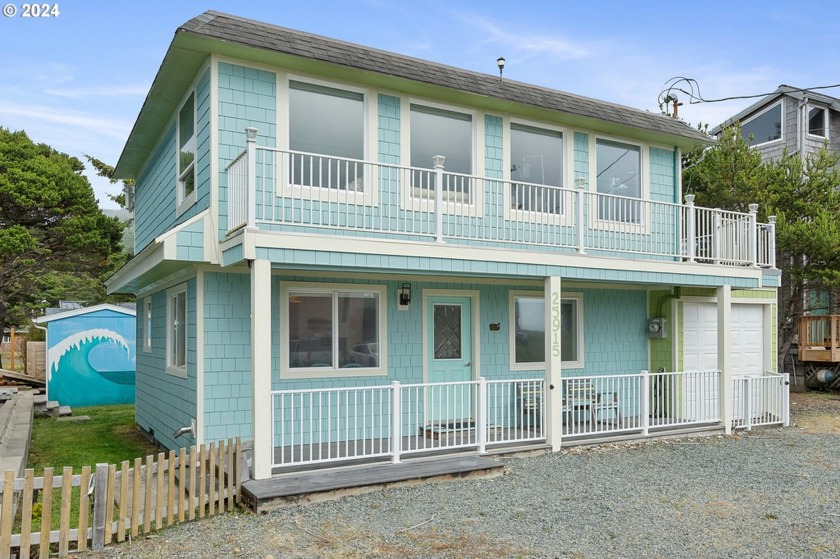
point(76, 80)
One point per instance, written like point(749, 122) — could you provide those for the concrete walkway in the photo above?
point(15, 430)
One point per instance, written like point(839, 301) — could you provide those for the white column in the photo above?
point(438, 163)
point(724, 351)
point(690, 227)
point(553, 377)
point(251, 146)
point(753, 235)
point(261, 366)
point(581, 198)
point(771, 240)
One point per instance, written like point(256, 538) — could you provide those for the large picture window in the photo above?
point(176, 338)
point(327, 125)
point(441, 132)
point(528, 331)
point(186, 151)
point(536, 158)
point(619, 174)
point(765, 127)
point(330, 329)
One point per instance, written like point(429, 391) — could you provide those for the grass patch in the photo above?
point(110, 436)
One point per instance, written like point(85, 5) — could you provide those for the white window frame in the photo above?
point(172, 294)
point(451, 206)
point(369, 196)
point(781, 137)
point(567, 218)
point(147, 324)
point(334, 289)
point(808, 121)
point(185, 201)
point(565, 296)
point(595, 222)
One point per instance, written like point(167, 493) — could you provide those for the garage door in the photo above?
point(700, 351)
point(746, 338)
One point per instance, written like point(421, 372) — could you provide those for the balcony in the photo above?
point(278, 190)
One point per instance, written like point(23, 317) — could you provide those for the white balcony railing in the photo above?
point(277, 189)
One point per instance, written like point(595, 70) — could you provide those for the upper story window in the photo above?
point(147, 324)
point(186, 152)
point(434, 132)
point(765, 127)
point(619, 173)
point(327, 125)
point(817, 121)
point(536, 158)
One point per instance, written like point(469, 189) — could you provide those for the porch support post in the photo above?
point(724, 352)
point(644, 408)
point(746, 401)
point(438, 163)
point(481, 415)
point(553, 376)
point(261, 366)
point(786, 399)
point(753, 235)
point(251, 147)
point(690, 228)
point(718, 226)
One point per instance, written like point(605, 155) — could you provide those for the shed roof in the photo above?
point(129, 312)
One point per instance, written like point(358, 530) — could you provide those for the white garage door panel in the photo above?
point(746, 338)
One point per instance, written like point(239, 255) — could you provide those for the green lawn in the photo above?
point(110, 436)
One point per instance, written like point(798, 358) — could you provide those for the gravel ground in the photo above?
point(769, 494)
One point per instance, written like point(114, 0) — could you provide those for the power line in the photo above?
point(679, 83)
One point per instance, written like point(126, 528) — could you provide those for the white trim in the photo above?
point(381, 369)
point(475, 298)
point(579, 363)
point(172, 293)
point(426, 203)
point(184, 202)
point(781, 137)
point(84, 310)
point(212, 252)
point(199, 356)
point(826, 122)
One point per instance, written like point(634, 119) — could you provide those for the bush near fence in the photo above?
point(116, 502)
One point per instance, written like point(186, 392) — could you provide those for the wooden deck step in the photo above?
point(332, 483)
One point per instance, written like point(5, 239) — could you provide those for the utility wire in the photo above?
point(695, 97)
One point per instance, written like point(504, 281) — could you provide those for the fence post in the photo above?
point(438, 163)
point(580, 182)
point(100, 503)
point(771, 241)
point(396, 422)
point(690, 227)
point(786, 399)
point(251, 145)
point(753, 235)
point(645, 402)
point(481, 415)
point(718, 225)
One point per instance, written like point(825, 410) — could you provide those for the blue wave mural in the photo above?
point(91, 366)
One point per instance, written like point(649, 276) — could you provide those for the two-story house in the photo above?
point(347, 253)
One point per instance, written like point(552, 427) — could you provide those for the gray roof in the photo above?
point(783, 90)
point(224, 27)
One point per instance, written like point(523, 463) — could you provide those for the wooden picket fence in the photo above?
point(118, 502)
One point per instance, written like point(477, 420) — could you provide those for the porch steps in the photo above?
point(331, 483)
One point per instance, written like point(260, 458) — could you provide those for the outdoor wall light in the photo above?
point(405, 294)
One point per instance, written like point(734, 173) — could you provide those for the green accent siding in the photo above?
point(661, 349)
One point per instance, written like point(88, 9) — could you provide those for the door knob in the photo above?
point(468, 363)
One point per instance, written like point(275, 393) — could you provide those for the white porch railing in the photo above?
point(761, 400)
point(339, 424)
point(280, 189)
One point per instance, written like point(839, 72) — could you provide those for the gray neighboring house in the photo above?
point(789, 118)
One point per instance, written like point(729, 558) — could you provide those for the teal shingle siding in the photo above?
point(190, 241)
point(662, 175)
point(155, 193)
point(389, 129)
point(164, 402)
point(247, 98)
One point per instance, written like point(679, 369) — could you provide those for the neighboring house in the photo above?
point(790, 119)
point(311, 276)
point(90, 355)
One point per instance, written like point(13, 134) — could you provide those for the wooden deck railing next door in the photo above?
point(109, 503)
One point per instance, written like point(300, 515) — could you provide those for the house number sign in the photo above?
point(555, 324)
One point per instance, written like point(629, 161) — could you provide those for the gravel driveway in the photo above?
point(770, 493)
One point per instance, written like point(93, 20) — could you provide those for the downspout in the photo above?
point(802, 127)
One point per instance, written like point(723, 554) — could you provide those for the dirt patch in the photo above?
point(815, 412)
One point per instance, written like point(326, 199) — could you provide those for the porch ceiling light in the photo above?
point(405, 294)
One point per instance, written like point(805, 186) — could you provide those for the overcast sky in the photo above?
point(77, 80)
